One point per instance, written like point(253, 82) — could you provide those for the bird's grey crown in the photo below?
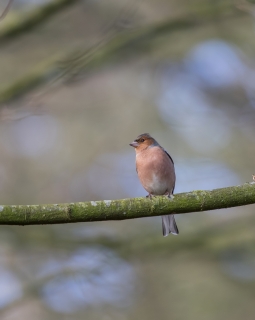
point(144, 135)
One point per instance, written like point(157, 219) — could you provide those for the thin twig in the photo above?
point(6, 10)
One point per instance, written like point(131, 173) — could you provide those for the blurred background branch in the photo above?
point(246, 6)
point(64, 67)
point(31, 19)
point(7, 8)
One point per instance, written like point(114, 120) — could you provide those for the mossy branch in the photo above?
point(128, 208)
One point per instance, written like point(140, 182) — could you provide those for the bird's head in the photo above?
point(143, 142)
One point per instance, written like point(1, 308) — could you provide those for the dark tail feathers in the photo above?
point(169, 225)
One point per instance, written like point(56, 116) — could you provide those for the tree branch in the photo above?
point(64, 66)
point(123, 209)
point(60, 67)
point(6, 10)
point(31, 19)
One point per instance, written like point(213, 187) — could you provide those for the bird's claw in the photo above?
point(170, 196)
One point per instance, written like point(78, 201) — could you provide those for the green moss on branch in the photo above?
point(128, 208)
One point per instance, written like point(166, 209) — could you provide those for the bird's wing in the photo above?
point(172, 163)
point(169, 156)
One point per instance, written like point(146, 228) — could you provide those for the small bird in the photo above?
point(155, 169)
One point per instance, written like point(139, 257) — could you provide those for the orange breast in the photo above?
point(155, 171)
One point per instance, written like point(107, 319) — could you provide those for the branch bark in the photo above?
point(123, 209)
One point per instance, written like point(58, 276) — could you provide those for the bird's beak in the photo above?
point(134, 144)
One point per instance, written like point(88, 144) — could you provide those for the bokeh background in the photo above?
point(78, 84)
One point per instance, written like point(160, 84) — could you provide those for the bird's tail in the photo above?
point(169, 225)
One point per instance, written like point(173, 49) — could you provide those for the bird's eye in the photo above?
point(142, 140)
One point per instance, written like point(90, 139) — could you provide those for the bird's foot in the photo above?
point(170, 196)
point(149, 196)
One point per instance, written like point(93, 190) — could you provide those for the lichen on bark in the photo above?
point(123, 209)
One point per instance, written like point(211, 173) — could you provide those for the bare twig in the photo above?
point(6, 10)
point(245, 6)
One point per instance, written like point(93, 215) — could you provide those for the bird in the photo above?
point(155, 169)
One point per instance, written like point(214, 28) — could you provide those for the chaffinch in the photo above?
point(155, 169)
